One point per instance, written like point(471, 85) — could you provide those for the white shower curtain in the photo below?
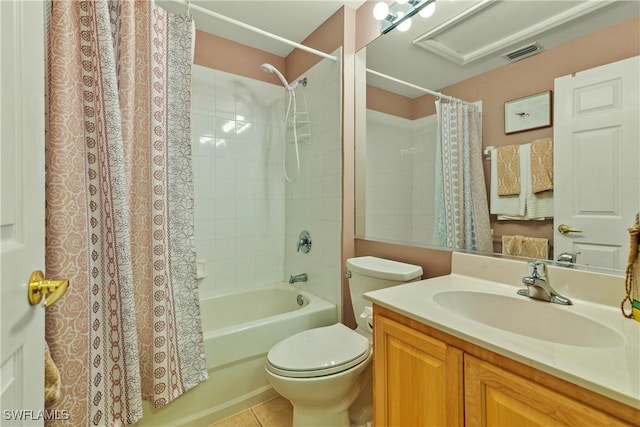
point(462, 213)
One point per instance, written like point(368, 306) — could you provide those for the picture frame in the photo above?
point(528, 113)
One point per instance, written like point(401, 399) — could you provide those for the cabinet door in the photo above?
point(417, 379)
point(495, 397)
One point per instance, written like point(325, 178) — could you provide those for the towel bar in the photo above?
point(487, 152)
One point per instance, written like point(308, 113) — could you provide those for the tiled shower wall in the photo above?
point(247, 220)
point(423, 165)
point(399, 177)
point(239, 190)
point(389, 178)
point(313, 201)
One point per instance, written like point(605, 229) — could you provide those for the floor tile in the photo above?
point(243, 419)
point(276, 412)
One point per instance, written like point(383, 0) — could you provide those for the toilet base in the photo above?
point(321, 401)
point(361, 410)
point(320, 417)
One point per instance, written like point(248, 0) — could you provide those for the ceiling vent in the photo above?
point(523, 52)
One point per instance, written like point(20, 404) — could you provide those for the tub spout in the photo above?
point(298, 278)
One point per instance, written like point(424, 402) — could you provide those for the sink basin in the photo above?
point(534, 319)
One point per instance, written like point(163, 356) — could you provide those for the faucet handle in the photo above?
point(304, 242)
point(568, 259)
point(537, 269)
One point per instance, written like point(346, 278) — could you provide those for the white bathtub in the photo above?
point(239, 329)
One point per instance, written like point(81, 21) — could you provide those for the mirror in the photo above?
point(395, 138)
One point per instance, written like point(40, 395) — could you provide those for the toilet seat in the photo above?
point(318, 352)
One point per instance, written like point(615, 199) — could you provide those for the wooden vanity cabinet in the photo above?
point(417, 379)
point(425, 377)
point(496, 397)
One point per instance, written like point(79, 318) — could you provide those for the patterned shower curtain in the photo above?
point(462, 213)
point(120, 208)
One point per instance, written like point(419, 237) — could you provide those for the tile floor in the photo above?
point(276, 412)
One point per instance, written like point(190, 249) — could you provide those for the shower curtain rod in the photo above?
point(411, 85)
point(190, 6)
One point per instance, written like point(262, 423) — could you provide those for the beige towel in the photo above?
point(541, 165)
point(526, 205)
point(508, 170)
point(530, 247)
point(51, 379)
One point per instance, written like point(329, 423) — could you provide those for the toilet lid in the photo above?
point(317, 352)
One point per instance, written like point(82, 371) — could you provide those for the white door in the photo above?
point(596, 158)
point(21, 210)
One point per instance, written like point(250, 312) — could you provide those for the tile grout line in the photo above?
point(256, 417)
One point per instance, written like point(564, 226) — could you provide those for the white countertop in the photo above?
point(613, 371)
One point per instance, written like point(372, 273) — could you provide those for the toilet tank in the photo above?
point(368, 274)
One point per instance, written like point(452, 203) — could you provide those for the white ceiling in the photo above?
point(478, 41)
point(292, 19)
point(481, 39)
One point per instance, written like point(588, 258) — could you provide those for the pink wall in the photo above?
point(326, 38)
point(534, 75)
point(368, 29)
point(434, 262)
point(390, 103)
point(232, 57)
point(227, 55)
point(348, 158)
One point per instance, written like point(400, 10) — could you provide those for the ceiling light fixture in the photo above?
point(381, 11)
point(428, 11)
point(406, 23)
point(399, 14)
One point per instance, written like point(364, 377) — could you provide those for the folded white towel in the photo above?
point(526, 205)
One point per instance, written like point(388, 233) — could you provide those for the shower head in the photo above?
point(268, 68)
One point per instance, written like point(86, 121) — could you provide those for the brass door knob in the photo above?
point(39, 287)
point(564, 229)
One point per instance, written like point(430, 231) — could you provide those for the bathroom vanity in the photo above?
point(466, 349)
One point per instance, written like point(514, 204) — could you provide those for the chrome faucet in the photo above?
point(568, 259)
point(538, 286)
point(298, 278)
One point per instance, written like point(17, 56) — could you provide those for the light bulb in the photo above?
point(426, 12)
point(380, 11)
point(405, 25)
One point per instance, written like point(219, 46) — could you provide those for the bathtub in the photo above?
point(239, 328)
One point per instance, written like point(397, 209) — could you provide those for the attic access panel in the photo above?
point(490, 26)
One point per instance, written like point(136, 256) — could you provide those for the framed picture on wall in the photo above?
point(528, 113)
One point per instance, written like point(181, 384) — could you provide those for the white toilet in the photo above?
point(321, 370)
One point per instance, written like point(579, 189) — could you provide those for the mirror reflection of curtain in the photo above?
point(120, 209)
point(462, 213)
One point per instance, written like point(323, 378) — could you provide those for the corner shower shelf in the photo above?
point(302, 123)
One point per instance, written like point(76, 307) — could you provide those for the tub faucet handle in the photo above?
point(302, 277)
point(304, 242)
